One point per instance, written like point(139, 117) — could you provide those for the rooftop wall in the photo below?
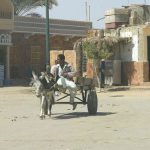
point(57, 26)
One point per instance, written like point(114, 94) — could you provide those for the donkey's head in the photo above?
point(44, 82)
point(37, 85)
point(47, 80)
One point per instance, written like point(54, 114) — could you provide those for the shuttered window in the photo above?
point(35, 58)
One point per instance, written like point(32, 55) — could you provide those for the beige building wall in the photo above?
point(6, 15)
point(6, 24)
point(146, 33)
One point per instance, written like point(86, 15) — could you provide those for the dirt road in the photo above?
point(122, 123)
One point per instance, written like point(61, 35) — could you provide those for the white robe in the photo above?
point(62, 81)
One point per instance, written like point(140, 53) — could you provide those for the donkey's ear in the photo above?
point(34, 75)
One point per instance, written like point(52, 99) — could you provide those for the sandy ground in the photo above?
point(122, 123)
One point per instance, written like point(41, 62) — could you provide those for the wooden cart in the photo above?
point(88, 95)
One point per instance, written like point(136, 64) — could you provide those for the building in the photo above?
point(135, 55)
point(131, 58)
point(22, 40)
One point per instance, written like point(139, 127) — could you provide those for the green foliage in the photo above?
point(21, 7)
point(90, 49)
point(96, 50)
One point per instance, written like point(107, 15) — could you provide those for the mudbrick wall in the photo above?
point(134, 73)
point(28, 53)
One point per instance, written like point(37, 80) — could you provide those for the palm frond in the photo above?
point(23, 6)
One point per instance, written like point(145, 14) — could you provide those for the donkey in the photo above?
point(44, 88)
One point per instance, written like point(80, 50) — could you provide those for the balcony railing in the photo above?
point(5, 39)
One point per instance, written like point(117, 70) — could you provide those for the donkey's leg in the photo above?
point(46, 106)
point(49, 110)
point(50, 103)
point(49, 106)
point(42, 113)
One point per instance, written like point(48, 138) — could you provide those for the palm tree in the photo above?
point(23, 6)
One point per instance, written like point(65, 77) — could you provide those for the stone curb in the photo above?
point(124, 88)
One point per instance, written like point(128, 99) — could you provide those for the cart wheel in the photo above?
point(92, 102)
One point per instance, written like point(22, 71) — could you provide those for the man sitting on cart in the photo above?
point(64, 74)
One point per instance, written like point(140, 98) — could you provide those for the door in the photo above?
point(148, 53)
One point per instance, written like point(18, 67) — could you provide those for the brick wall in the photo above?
point(62, 42)
point(93, 71)
point(20, 52)
point(134, 73)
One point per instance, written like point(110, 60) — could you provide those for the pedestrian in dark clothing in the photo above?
point(102, 73)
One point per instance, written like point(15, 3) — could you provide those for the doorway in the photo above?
point(3, 58)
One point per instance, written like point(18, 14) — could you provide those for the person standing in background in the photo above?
point(102, 74)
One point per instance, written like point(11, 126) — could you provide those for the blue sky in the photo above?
point(76, 10)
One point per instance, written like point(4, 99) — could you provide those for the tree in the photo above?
point(96, 49)
point(23, 6)
point(100, 48)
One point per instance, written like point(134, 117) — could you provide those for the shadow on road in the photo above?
point(117, 96)
point(81, 114)
point(119, 89)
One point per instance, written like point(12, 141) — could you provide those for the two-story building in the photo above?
point(22, 40)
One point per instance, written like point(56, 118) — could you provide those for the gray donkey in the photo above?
point(44, 88)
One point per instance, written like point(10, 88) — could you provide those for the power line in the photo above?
point(100, 18)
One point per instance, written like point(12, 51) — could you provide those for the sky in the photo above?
point(76, 9)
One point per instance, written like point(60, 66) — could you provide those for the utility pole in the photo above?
point(128, 2)
point(86, 11)
point(47, 53)
point(89, 12)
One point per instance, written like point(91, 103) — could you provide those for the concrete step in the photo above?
point(145, 84)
